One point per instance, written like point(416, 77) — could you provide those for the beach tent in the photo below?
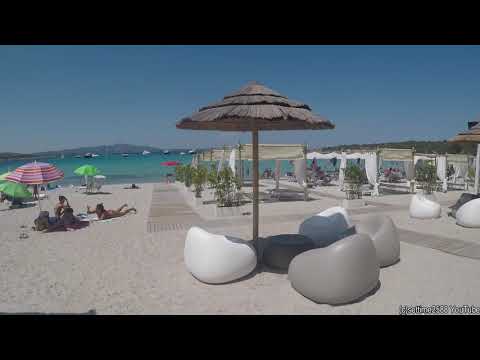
point(255, 108)
point(472, 135)
point(371, 164)
point(244, 152)
point(407, 156)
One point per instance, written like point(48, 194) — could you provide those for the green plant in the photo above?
point(226, 187)
point(199, 177)
point(426, 176)
point(187, 175)
point(354, 178)
point(212, 176)
point(180, 173)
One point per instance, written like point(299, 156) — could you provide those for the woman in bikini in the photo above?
point(103, 214)
point(61, 206)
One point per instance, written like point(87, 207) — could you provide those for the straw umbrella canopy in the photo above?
point(254, 108)
point(471, 136)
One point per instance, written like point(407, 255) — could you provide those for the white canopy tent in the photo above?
point(371, 164)
point(407, 156)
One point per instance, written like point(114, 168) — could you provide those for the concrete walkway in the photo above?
point(170, 212)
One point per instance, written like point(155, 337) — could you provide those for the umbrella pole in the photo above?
point(477, 169)
point(255, 193)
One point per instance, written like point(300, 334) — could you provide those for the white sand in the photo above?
point(119, 268)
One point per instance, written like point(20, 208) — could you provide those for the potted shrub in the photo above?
point(199, 177)
point(187, 175)
point(426, 177)
point(353, 180)
point(226, 189)
point(180, 173)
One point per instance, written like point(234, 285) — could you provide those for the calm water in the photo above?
point(141, 169)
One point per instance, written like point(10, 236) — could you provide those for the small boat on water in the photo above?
point(145, 152)
point(182, 153)
point(95, 155)
point(88, 155)
point(125, 155)
point(166, 152)
point(193, 151)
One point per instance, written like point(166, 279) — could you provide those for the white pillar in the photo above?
point(477, 169)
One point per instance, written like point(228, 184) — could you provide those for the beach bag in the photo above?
point(41, 222)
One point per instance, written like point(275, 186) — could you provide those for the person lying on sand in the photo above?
point(61, 206)
point(133, 186)
point(103, 214)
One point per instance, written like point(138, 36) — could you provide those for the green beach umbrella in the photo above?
point(15, 190)
point(86, 170)
point(3, 176)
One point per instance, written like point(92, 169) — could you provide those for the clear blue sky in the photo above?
point(54, 97)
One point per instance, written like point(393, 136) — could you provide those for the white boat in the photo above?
point(88, 155)
point(125, 155)
point(166, 152)
point(193, 151)
point(145, 152)
point(182, 153)
point(95, 155)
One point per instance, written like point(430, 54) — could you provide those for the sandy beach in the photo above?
point(119, 267)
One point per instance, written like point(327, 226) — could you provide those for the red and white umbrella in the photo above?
point(36, 173)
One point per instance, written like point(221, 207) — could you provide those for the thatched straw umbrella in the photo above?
point(472, 135)
point(253, 108)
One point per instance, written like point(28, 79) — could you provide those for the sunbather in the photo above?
point(68, 221)
point(61, 206)
point(103, 214)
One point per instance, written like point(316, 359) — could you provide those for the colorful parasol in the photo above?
point(35, 173)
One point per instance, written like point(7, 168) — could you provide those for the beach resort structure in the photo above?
point(272, 256)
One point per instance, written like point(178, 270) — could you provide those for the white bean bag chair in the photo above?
point(424, 207)
point(469, 214)
point(326, 227)
point(216, 259)
point(383, 233)
point(337, 274)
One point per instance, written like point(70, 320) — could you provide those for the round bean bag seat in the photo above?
point(424, 207)
point(469, 214)
point(383, 233)
point(281, 249)
point(327, 226)
point(216, 259)
point(337, 274)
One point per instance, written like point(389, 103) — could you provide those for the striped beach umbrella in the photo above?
point(35, 173)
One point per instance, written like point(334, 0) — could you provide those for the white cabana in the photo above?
point(460, 165)
point(407, 156)
point(371, 165)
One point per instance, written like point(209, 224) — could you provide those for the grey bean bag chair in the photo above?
point(337, 274)
point(326, 227)
point(281, 249)
point(383, 233)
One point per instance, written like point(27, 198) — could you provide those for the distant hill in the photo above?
point(440, 147)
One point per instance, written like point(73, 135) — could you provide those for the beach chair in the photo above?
point(98, 182)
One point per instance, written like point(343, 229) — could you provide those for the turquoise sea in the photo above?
point(140, 169)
